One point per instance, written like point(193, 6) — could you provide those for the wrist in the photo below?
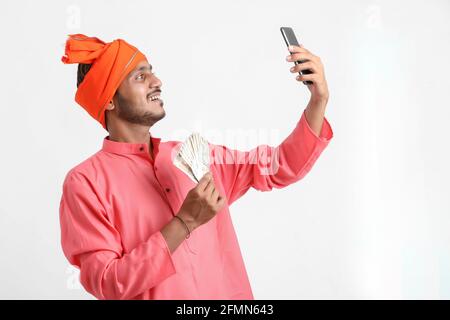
point(318, 102)
point(188, 219)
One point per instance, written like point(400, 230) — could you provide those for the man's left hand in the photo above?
point(319, 87)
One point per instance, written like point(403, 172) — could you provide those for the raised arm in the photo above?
point(266, 167)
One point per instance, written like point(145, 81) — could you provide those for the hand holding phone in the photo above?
point(291, 40)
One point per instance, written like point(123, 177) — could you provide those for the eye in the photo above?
point(142, 76)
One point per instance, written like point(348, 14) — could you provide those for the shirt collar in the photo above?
point(128, 147)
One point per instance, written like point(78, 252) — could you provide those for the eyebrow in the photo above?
point(143, 68)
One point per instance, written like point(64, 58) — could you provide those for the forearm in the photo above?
point(143, 268)
point(319, 88)
point(315, 113)
point(112, 275)
point(108, 276)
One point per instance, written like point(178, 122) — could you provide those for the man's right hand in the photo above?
point(201, 203)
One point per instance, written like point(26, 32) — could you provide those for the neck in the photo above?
point(131, 133)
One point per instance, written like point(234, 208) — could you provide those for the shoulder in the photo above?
point(85, 172)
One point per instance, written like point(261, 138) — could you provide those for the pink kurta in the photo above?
point(115, 203)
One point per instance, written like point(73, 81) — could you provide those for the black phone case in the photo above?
point(290, 39)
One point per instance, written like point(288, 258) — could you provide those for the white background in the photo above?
point(371, 219)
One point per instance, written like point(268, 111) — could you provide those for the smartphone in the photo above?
point(291, 40)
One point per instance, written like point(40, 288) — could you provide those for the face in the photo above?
point(132, 101)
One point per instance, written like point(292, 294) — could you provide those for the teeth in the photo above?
point(154, 98)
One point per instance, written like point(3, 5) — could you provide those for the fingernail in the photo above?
point(288, 58)
point(292, 69)
point(291, 48)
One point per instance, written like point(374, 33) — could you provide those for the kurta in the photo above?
point(115, 203)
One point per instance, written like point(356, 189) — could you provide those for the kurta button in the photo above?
point(156, 169)
point(167, 189)
point(141, 148)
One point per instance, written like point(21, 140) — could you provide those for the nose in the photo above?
point(155, 82)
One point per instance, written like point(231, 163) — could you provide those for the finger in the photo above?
point(209, 189)
point(300, 56)
point(214, 196)
point(220, 202)
point(304, 66)
point(305, 77)
point(204, 181)
point(300, 48)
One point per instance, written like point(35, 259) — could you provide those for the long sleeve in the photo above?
point(266, 167)
point(92, 243)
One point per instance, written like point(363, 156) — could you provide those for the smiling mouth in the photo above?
point(154, 95)
point(155, 98)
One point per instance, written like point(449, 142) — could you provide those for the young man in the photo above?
point(134, 224)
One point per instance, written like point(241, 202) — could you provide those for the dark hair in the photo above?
point(83, 69)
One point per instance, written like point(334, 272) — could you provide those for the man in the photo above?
point(134, 224)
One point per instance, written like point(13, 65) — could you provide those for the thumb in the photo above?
point(204, 180)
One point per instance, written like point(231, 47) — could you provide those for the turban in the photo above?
point(110, 63)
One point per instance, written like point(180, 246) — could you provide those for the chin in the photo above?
point(162, 114)
point(151, 118)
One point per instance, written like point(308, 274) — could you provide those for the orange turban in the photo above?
point(111, 62)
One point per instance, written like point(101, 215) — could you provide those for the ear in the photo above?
point(110, 105)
